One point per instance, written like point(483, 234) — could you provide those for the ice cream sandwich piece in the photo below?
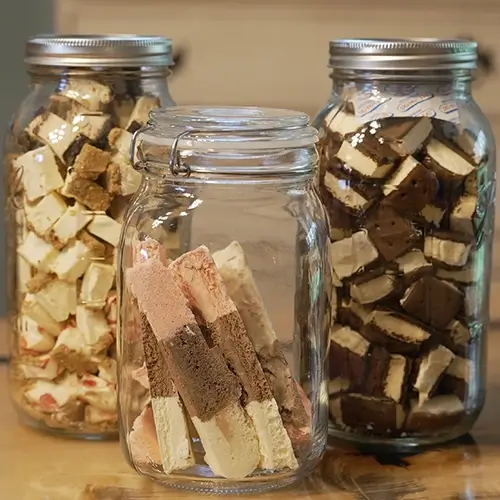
point(59, 135)
point(43, 367)
point(413, 265)
point(435, 415)
point(342, 122)
point(73, 353)
point(209, 390)
point(411, 187)
point(353, 314)
point(394, 385)
point(399, 334)
point(74, 219)
point(377, 366)
point(86, 191)
point(457, 376)
point(350, 255)
point(171, 424)
point(241, 287)
point(349, 353)
point(143, 441)
point(446, 162)
point(340, 221)
point(120, 141)
point(448, 249)
point(405, 135)
point(58, 298)
point(37, 252)
point(345, 193)
point(34, 338)
point(372, 287)
point(106, 229)
point(432, 214)
point(392, 234)
point(91, 162)
point(459, 333)
point(369, 414)
point(140, 113)
point(72, 262)
point(368, 156)
point(94, 327)
point(42, 216)
point(96, 284)
point(432, 301)
point(463, 214)
point(33, 309)
point(430, 371)
point(92, 95)
point(462, 276)
point(122, 107)
point(197, 276)
point(338, 386)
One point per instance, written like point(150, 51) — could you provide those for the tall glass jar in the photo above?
point(407, 177)
point(222, 345)
point(69, 181)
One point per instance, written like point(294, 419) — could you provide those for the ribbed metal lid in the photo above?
point(99, 50)
point(402, 54)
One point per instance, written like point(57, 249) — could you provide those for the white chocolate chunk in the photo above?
point(452, 253)
point(37, 252)
point(33, 309)
point(51, 396)
point(374, 289)
point(96, 284)
point(363, 164)
point(94, 327)
point(71, 262)
point(462, 215)
point(71, 223)
point(40, 173)
point(58, 298)
point(71, 341)
point(90, 94)
point(350, 255)
point(23, 271)
point(54, 132)
point(97, 392)
point(107, 370)
point(106, 228)
point(33, 337)
point(351, 340)
point(448, 159)
point(46, 213)
point(43, 368)
point(96, 416)
point(342, 191)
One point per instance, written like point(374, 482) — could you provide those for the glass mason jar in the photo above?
point(407, 177)
point(221, 345)
point(69, 182)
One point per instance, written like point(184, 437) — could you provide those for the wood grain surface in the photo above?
point(34, 466)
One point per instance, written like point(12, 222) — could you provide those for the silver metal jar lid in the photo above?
point(99, 50)
point(402, 54)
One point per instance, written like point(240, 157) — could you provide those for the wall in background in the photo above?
point(25, 18)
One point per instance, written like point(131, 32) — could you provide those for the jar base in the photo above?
point(208, 485)
point(407, 444)
point(40, 426)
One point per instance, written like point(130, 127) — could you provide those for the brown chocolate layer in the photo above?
point(200, 374)
point(228, 333)
point(160, 379)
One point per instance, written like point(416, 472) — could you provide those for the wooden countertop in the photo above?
point(34, 466)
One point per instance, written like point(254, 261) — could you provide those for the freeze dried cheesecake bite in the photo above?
point(406, 216)
point(72, 171)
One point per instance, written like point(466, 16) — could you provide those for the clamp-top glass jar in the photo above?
point(69, 182)
point(222, 344)
point(407, 177)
